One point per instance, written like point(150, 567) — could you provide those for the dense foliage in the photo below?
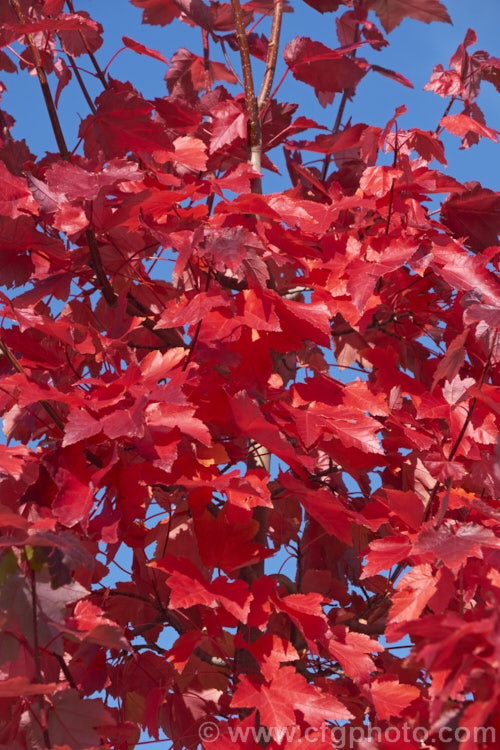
point(223, 380)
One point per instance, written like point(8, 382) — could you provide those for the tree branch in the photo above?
point(272, 56)
point(44, 85)
point(82, 85)
point(36, 658)
point(91, 55)
point(254, 132)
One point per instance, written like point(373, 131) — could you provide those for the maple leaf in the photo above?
point(16, 198)
point(473, 214)
point(393, 75)
point(270, 652)
point(405, 505)
point(325, 6)
point(95, 628)
point(122, 124)
point(444, 82)
point(186, 74)
point(327, 70)
point(13, 461)
point(252, 423)
point(427, 145)
point(75, 498)
point(285, 694)
point(392, 12)
point(69, 27)
point(306, 613)
point(414, 590)
point(64, 76)
point(157, 12)
point(384, 553)
point(352, 651)
point(449, 366)
point(229, 124)
point(454, 548)
point(22, 686)
point(391, 697)
point(189, 588)
point(75, 721)
point(461, 125)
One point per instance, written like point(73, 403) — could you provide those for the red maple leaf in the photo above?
point(285, 694)
point(392, 12)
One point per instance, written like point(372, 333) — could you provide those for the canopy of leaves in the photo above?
point(338, 326)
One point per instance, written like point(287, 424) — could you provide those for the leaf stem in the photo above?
point(445, 113)
point(389, 212)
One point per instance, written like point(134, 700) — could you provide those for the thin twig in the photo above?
point(389, 212)
point(81, 83)
point(272, 56)
point(445, 114)
point(91, 55)
point(228, 62)
point(44, 85)
point(340, 113)
point(206, 59)
point(107, 289)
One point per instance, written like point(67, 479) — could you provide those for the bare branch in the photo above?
point(272, 56)
point(254, 132)
point(44, 85)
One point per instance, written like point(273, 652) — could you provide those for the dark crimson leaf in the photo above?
point(157, 12)
point(18, 686)
point(325, 6)
point(327, 70)
point(474, 215)
point(392, 12)
point(122, 124)
point(52, 7)
point(6, 63)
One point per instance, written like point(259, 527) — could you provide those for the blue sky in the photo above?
point(414, 49)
